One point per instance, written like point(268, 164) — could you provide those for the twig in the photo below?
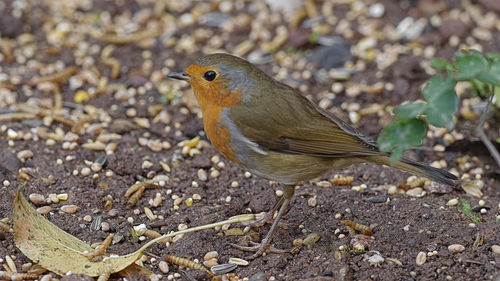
point(479, 132)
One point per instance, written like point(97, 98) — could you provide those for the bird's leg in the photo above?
point(269, 216)
point(265, 244)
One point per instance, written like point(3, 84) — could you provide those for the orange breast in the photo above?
point(213, 97)
point(218, 134)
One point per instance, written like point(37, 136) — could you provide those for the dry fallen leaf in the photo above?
point(56, 250)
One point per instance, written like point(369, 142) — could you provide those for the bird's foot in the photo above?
point(262, 220)
point(260, 248)
point(267, 217)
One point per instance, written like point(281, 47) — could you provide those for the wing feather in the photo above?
point(290, 123)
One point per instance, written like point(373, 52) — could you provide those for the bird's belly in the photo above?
point(289, 168)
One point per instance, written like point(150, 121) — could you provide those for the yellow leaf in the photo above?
point(56, 250)
point(60, 252)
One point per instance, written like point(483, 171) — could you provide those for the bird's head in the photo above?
point(221, 79)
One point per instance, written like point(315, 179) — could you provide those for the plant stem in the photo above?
point(479, 132)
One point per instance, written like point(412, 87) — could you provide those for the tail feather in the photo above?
point(411, 166)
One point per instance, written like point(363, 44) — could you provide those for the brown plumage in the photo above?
point(273, 131)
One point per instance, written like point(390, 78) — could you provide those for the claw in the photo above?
point(259, 249)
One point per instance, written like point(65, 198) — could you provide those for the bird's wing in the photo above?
point(290, 123)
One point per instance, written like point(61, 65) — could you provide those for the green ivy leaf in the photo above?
point(401, 136)
point(441, 64)
point(469, 64)
point(442, 101)
point(492, 75)
point(479, 87)
point(493, 56)
point(409, 110)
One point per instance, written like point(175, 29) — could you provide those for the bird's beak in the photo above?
point(179, 75)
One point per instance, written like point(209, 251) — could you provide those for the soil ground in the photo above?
point(403, 225)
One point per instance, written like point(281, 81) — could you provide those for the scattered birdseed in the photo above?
point(36, 198)
point(85, 171)
point(421, 258)
point(456, 248)
point(69, 209)
point(163, 266)
point(452, 202)
point(238, 261)
point(311, 202)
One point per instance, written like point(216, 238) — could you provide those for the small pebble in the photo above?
point(163, 266)
point(104, 226)
point(85, 171)
point(392, 190)
point(456, 248)
point(146, 164)
point(376, 260)
point(96, 167)
point(24, 155)
point(377, 10)
point(421, 258)
point(452, 202)
point(214, 174)
point(259, 276)
point(202, 175)
point(312, 202)
point(496, 249)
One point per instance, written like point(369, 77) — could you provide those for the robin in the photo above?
point(274, 132)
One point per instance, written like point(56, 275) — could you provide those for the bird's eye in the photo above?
point(209, 75)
